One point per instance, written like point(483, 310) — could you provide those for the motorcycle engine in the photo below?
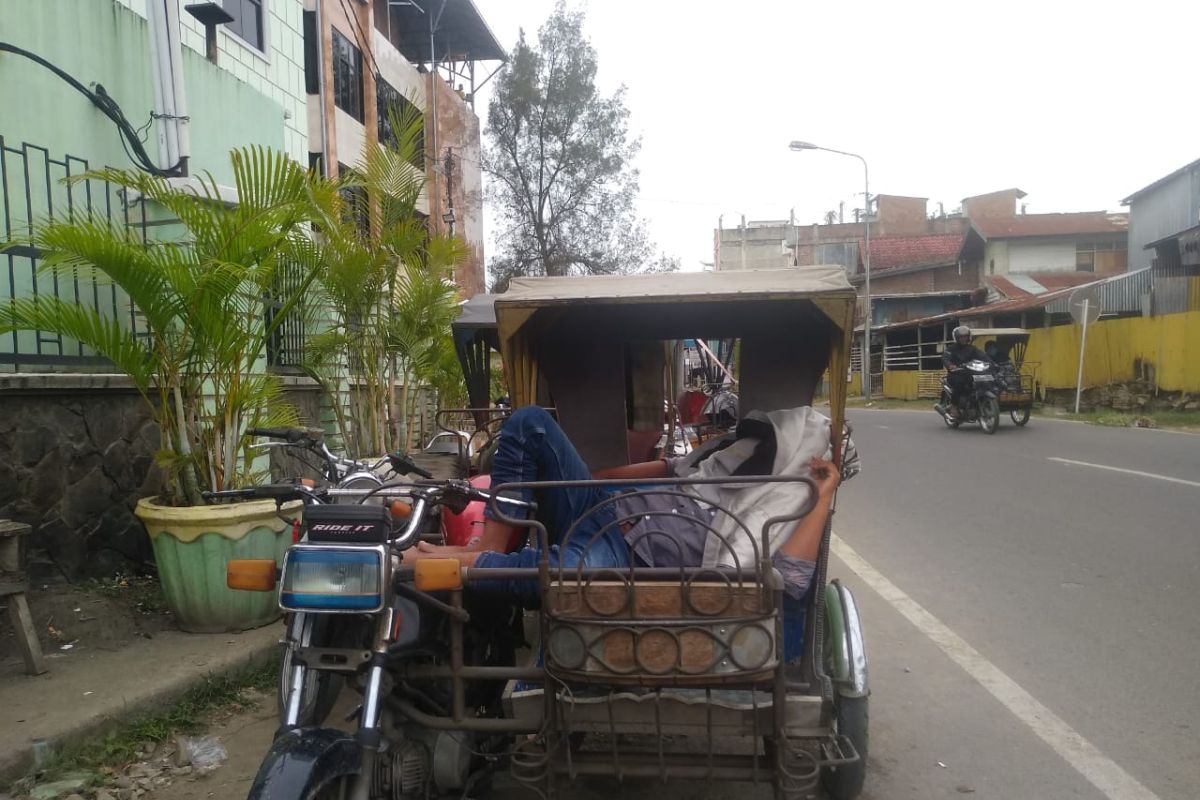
point(406, 770)
point(403, 772)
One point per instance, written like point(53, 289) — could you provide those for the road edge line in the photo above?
point(1097, 768)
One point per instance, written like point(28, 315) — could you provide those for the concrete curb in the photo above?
point(128, 683)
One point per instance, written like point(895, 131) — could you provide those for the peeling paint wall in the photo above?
point(457, 128)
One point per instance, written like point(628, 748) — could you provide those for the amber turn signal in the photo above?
point(400, 509)
point(251, 574)
point(437, 574)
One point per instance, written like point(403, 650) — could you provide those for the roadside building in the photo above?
point(170, 87)
point(361, 59)
point(1164, 234)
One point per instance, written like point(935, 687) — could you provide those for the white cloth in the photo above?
point(800, 434)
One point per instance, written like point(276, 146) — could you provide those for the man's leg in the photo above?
point(595, 542)
point(532, 447)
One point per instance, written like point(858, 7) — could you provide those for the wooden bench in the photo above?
point(13, 584)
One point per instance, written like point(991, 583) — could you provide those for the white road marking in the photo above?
point(1099, 770)
point(1126, 471)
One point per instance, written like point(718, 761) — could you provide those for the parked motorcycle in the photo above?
point(358, 617)
point(980, 403)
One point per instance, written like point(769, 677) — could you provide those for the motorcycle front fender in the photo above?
point(302, 761)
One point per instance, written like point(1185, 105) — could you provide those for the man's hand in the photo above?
point(826, 475)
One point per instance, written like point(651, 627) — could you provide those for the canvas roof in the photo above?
point(680, 286)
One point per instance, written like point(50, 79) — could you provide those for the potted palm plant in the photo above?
point(202, 290)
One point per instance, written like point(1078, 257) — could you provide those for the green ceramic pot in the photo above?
point(192, 544)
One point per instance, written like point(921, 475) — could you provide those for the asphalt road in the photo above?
point(1078, 584)
point(1031, 624)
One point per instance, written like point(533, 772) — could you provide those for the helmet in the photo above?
point(961, 331)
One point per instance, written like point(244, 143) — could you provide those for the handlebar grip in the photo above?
point(402, 463)
point(288, 434)
point(271, 491)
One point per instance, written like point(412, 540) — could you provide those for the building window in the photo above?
point(389, 102)
point(356, 208)
point(347, 76)
point(312, 45)
point(248, 21)
point(1100, 256)
point(387, 22)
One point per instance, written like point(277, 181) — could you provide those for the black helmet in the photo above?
point(961, 331)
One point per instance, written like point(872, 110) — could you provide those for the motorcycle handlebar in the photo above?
point(292, 435)
point(403, 464)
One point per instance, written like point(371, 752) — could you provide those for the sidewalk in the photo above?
point(86, 692)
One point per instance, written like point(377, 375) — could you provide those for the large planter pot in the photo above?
point(192, 544)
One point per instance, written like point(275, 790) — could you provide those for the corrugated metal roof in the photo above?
point(1014, 286)
point(1121, 293)
point(1118, 293)
point(1186, 168)
point(1035, 225)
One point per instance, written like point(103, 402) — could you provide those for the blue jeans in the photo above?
point(532, 447)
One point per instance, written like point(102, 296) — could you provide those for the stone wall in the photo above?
point(76, 453)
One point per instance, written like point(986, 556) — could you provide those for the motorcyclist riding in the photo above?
point(954, 358)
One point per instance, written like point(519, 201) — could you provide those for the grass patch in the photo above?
point(190, 714)
point(1111, 418)
point(890, 404)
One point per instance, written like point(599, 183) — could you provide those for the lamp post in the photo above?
point(866, 350)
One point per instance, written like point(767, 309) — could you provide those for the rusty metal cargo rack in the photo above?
point(663, 652)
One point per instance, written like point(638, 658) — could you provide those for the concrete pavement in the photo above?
point(94, 690)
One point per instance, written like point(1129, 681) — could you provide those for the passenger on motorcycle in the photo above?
point(534, 448)
point(954, 358)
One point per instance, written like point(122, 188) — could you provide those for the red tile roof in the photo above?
point(894, 252)
point(1026, 225)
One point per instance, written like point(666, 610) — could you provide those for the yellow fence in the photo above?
point(1170, 343)
point(900, 384)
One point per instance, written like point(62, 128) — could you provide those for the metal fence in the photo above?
point(34, 187)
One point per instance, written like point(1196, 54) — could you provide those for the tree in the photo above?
point(389, 296)
point(560, 158)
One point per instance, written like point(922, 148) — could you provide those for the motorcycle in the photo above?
point(358, 616)
point(980, 403)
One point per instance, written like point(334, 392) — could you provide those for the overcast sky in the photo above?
point(1077, 103)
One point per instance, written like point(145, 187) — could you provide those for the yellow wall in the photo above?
point(855, 387)
point(900, 384)
point(1170, 342)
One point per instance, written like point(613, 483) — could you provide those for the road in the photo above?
point(1031, 622)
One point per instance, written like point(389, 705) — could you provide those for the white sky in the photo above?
point(1077, 103)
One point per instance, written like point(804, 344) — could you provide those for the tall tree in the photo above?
point(561, 161)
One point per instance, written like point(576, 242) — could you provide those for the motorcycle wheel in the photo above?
point(989, 415)
point(1019, 415)
point(950, 422)
point(321, 689)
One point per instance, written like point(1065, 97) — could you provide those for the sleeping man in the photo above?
point(665, 526)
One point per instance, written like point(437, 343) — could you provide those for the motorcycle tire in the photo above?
point(1020, 416)
point(951, 422)
point(989, 415)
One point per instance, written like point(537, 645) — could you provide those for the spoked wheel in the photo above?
point(1020, 415)
point(989, 415)
point(846, 782)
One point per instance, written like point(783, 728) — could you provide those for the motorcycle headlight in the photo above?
point(333, 579)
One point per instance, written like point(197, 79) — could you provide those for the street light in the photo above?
point(866, 350)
